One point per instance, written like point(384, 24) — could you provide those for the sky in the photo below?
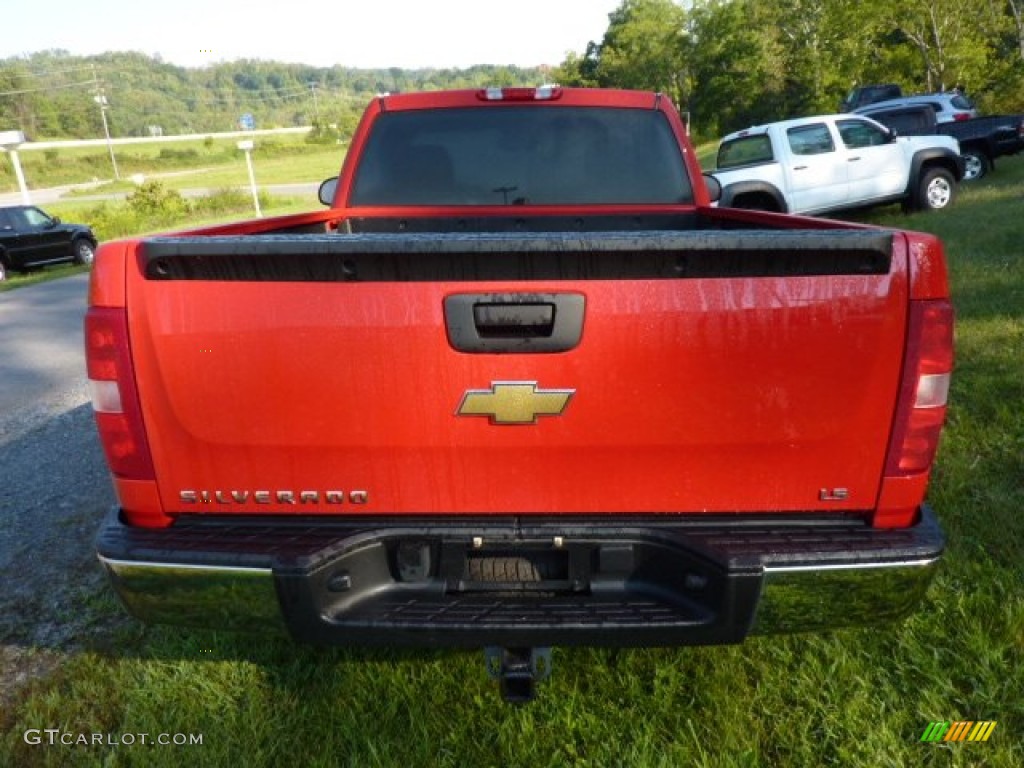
point(354, 33)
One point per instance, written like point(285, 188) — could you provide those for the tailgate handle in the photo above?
point(506, 320)
point(514, 322)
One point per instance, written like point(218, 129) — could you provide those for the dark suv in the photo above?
point(869, 94)
point(948, 106)
point(31, 238)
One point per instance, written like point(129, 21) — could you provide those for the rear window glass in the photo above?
point(869, 94)
point(521, 156)
point(857, 134)
point(961, 102)
point(748, 150)
point(810, 140)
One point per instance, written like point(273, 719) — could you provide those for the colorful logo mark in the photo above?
point(962, 730)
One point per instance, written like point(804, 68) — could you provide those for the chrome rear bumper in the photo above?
point(582, 581)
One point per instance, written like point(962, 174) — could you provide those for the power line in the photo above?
point(233, 97)
point(82, 84)
point(53, 72)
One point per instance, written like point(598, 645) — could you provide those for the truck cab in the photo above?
point(834, 162)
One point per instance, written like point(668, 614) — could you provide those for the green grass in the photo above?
point(314, 164)
point(284, 158)
point(855, 697)
point(21, 279)
point(213, 165)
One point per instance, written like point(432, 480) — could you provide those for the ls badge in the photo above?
point(514, 402)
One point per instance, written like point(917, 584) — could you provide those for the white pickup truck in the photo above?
point(833, 162)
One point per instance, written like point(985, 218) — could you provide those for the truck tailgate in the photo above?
point(713, 372)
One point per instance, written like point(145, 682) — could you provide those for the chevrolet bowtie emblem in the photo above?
point(514, 402)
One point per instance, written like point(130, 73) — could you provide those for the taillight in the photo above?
point(543, 93)
point(961, 116)
point(115, 401)
point(921, 410)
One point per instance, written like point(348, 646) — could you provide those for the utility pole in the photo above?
point(100, 98)
point(9, 143)
point(316, 106)
point(246, 146)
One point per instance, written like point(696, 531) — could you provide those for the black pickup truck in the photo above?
point(30, 238)
point(982, 139)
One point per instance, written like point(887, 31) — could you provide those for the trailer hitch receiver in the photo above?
point(518, 670)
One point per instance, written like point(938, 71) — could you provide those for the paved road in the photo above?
point(54, 485)
point(41, 357)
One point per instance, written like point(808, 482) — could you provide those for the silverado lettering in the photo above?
point(268, 497)
point(700, 423)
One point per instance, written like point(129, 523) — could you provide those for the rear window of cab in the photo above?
point(521, 156)
point(745, 150)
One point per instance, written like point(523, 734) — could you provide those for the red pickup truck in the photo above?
point(521, 385)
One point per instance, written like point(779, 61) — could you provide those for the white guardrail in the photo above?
point(33, 145)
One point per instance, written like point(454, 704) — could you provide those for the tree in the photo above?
point(644, 48)
point(16, 101)
point(1015, 8)
point(1001, 23)
point(823, 59)
point(734, 63)
point(953, 50)
point(738, 67)
point(581, 71)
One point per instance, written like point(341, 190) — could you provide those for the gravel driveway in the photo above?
point(54, 487)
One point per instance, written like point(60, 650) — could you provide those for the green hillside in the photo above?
point(52, 94)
